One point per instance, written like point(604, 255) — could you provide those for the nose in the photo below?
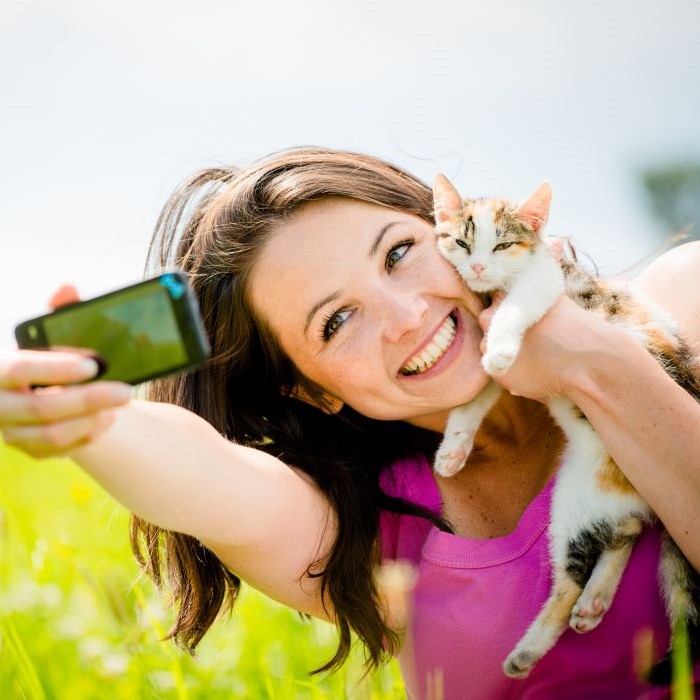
point(478, 268)
point(400, 314)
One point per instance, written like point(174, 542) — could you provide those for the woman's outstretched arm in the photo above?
point(265, 520)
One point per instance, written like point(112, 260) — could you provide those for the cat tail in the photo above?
point(681, 587)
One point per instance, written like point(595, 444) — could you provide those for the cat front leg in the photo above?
point(600, 589)
point(505, 334)
point(462, 424)
point(531, 295)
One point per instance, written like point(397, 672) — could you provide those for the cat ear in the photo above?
point(534, 211)
point(447, 200)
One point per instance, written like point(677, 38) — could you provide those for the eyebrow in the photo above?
point(378, 240)
point(334, 295)
point(317, 306)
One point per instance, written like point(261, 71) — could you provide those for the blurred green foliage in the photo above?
point(674, 194)
point(77, 621)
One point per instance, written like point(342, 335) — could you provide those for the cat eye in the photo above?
point(503, 246)
point(462, 243)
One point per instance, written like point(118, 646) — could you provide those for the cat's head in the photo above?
point(489, 240)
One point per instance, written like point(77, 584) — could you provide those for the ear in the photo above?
point(329, 404)
point(447, 200)
point(534, 211)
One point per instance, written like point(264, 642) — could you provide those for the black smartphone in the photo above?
point(137, 333)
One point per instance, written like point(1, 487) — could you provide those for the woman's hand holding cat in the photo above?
point(556, 352)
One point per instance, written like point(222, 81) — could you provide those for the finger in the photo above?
point(473, 303)
point(485, 318)
point(556, 247)
point(53, 404)
point(28, 368)
point(57, 438)
point(67, 294)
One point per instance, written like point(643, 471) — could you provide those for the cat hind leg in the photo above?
point(574, 559)
point(548, 626)
point(600, 588)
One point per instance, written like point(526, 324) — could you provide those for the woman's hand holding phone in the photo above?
point(64, 413)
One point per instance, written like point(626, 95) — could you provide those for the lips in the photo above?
point(433, 350)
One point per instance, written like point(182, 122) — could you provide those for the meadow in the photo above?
point(77, 621)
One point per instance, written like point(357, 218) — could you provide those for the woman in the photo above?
point(319, 282)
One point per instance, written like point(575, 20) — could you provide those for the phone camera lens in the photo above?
point(175, 288)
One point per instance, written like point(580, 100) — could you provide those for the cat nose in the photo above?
point(478, 268)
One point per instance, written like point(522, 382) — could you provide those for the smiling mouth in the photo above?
point(434, 350)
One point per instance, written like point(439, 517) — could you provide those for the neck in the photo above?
point(517, 432)
point(516, 452)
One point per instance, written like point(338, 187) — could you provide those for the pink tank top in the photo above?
point(474, 599)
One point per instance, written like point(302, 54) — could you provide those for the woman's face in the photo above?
point(366, 307)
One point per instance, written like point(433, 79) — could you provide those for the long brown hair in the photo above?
point(214, 226)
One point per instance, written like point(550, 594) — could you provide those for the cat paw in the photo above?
point(450, 461)
point(588, 613)
point(519, 663)
point(497, 361)
point(453, 452)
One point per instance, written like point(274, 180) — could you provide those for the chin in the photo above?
point(481, 286)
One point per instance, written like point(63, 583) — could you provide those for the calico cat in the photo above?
point(596, 514)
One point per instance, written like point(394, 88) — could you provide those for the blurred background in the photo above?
point(106, 106)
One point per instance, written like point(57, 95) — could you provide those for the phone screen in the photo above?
point(135, 331)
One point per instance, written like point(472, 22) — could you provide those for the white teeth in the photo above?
point(434, 350)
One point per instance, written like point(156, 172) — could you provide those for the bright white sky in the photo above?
point(106, 106)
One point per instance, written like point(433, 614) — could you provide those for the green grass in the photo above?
point(77, 621)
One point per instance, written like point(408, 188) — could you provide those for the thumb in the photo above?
point(486, 316)
point(64, 295)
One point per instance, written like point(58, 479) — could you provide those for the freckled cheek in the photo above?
point(440, 277)
point(351, 372)
point(358, 370)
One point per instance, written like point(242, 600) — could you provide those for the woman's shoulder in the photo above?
point(680, 260)
point(671, 281)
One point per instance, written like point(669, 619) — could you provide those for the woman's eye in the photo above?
point(502, 246)
point(396, 253)
point(332, 323)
